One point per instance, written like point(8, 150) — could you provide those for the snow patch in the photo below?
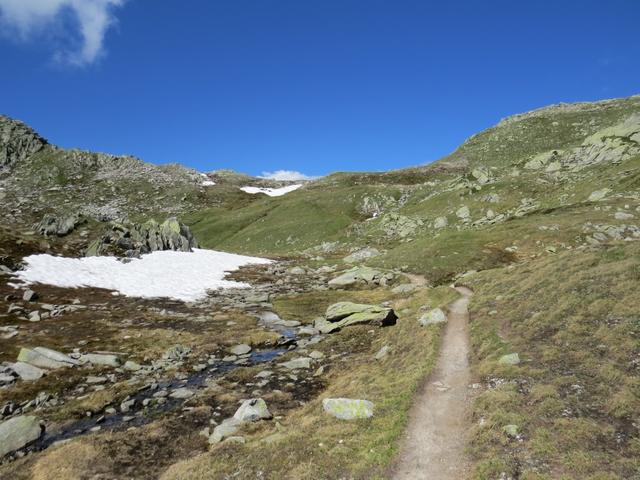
point(208, 183)
point(182, 276)
point(286, 175)
point(272, 192)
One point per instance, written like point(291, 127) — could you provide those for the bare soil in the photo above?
point(436, 437)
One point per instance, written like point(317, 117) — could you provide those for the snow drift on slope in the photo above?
point(182, 276)
point(272, 192)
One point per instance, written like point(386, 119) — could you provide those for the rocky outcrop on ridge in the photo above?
point(133, 240)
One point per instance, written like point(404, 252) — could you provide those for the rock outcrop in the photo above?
point(17, 142)
point(133, 240)
point(52, 225)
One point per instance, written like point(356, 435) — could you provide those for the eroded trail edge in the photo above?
point(436, 436)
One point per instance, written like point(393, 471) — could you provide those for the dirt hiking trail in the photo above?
point(433, 448)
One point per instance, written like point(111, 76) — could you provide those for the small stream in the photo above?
point(140, 415)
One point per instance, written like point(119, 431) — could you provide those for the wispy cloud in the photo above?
point(32, 19)
point(286, 175)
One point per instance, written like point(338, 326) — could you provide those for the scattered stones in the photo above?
point(18, 432)
point(316, 355)
point(348, 409)
point(433, 317)
point(34, 316)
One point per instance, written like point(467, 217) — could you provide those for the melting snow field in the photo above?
point(272, 192)
point(182, 276)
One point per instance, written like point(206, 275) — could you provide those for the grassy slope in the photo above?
point(575, 397)
point(312, 445)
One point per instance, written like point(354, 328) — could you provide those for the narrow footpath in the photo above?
point(433, 448)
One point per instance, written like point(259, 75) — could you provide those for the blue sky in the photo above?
point(308, 85)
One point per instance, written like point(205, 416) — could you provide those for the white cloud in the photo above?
point(31, 18)
point(286, 175)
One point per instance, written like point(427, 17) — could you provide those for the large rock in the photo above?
point(132, 240)
point(432, 317)
point(106, 359)
point(297, 363)
point(348, 409)
point(599, 194)
point(510, 359)
point(362, 254)
point(27, 371)
point(46, 358)
point(342, 314)
point(226, 429)
point(252, 410)
point(60, 226)
point(361, 276)
point(17, 433)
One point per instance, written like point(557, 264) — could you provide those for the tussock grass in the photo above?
point(573, 318)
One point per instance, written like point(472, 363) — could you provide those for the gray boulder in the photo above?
point(133, 239)
point(297, 363)
point(46, 358)
point(510, 359)
point(241, 349)
point(361, 276)
point(362, 254)
point(433, 317)
point(348, 409)
point(252, 410)
point(227, 428)
point(342, 314)
point(101, 359)
point(50, 225)
point(26, 371)
point(18, 432)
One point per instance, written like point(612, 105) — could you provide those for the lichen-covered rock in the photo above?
point(52, 225)
point(361, 276)
point(342, 314)
point(133, 240)
point(348, 409)
point(433, 317)
point(510, 359)
point(18, 432)
point(252, 410)
point(362, 254)
point(46, 358)
point(17, 142)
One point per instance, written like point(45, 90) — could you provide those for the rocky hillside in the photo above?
point(315, 366)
